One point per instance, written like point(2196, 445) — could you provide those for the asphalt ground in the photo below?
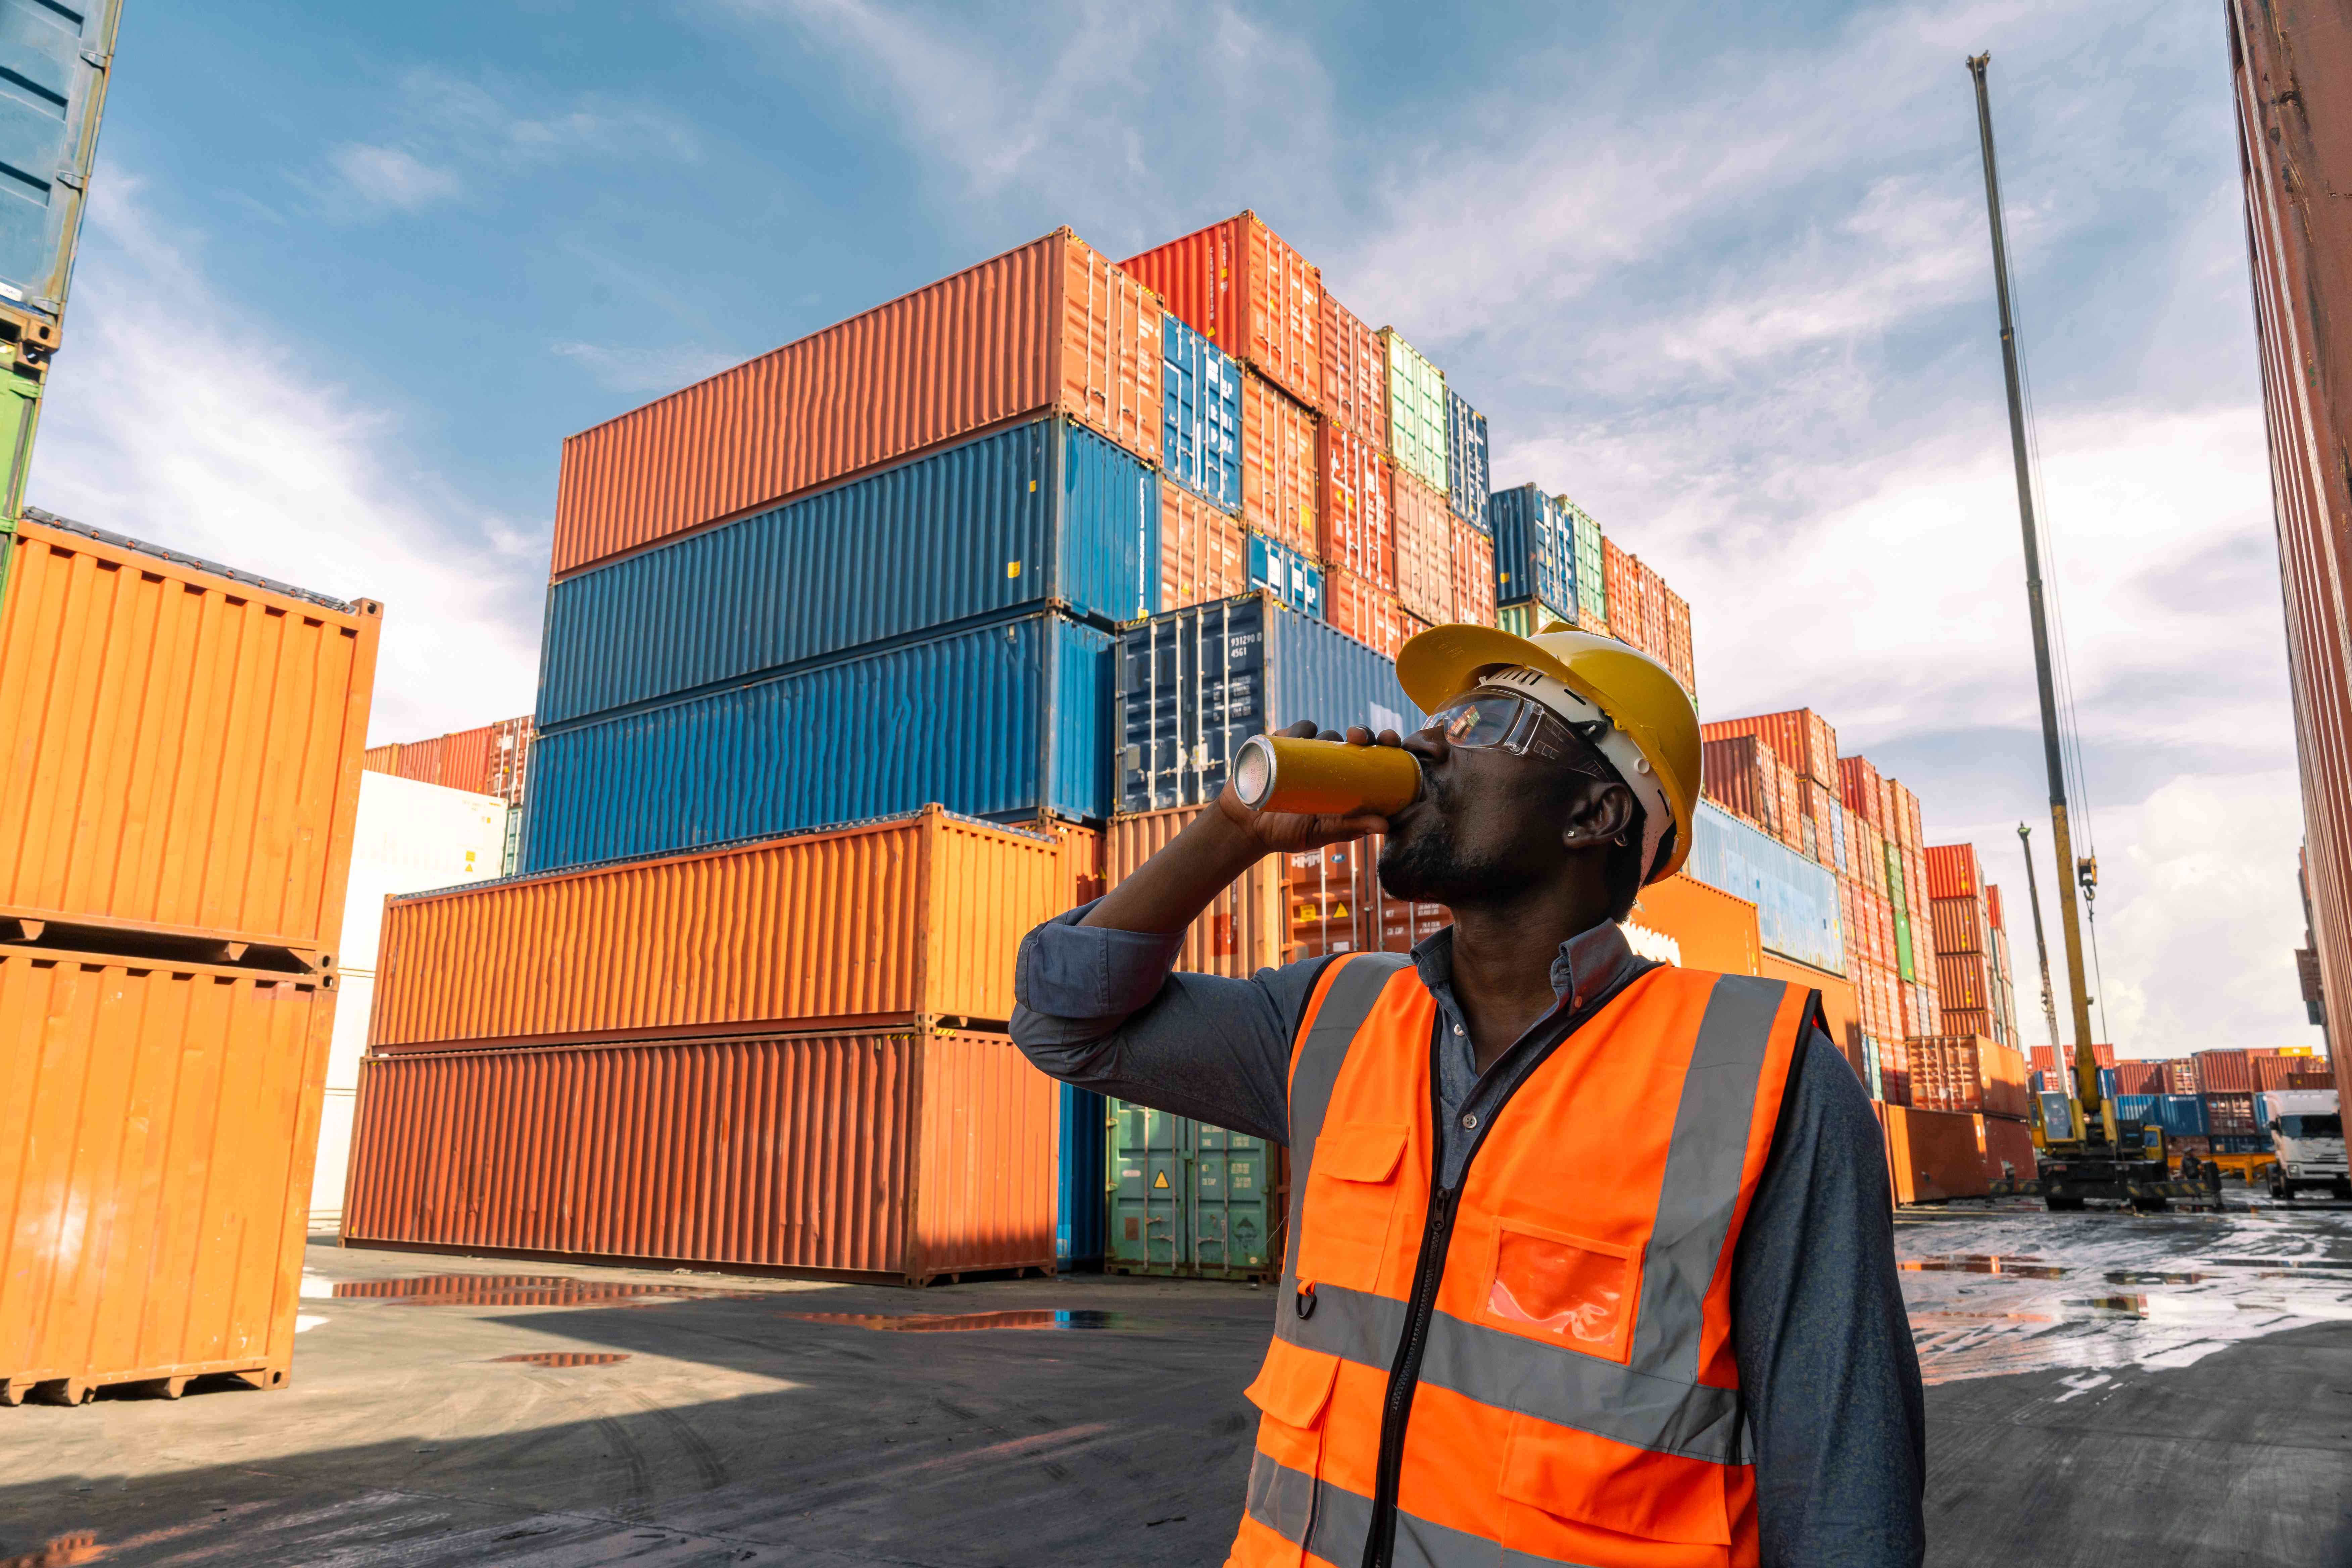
point(2104, 1389)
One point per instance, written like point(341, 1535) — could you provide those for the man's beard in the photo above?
point(1428, 868)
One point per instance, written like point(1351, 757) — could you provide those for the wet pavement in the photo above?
point(2105, 1388)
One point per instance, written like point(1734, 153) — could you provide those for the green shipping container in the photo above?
point(1416, 413)
point(1190, 1199)
point(1529, 616)
point(1903, 962)
point(1591, 592)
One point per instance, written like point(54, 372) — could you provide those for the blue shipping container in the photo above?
point(1465, 465)
point(2183, 1115)
point(56, 59)
point(1535, 549)
point(1201, 436)
point(1079, 1229)
point(1045, 511)
point(1193, 684)
point(1003, 721)
point(1796, 899)
point(1282, 572)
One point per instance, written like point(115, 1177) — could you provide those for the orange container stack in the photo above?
point(179, 747)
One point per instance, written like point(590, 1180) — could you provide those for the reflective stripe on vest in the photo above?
point(1548, 1423)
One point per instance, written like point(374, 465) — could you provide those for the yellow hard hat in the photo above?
point(1642, 701)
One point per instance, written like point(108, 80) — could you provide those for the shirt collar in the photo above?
point(1588, 963)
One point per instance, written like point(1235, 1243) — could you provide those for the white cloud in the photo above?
point(637, 370)
point(386, 179)
point(176, 417)
point(478, 123)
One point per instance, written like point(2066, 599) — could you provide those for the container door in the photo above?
point(1078, 1234)
point(1231, 1186)
point(1148, 1202)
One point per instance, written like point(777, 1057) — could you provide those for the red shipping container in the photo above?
point(420, 760)
point(1238, 285)
point(1952, 871)
point(1051, 326)
point(901, 1154)
point(1474, 575)
point(2136, 1077)
point(1803, 737)
point(1653, 589)
point(1680, 656)
point(2008, 1149)
point(1279, 482)
point(510, 759)
point(1913, 835)
point(1362, 611)
point(2273, 1072)
point(1742, 774)
point(1353, 527)
point(2228, 1115)
point(2104, 1054)
point(1621, 587)
point(1992, 908)
point(1963, 980)
point(1971, 1073)
point(1424, 548)
point(1355, 373)
point(1858, 788)
point(2223, 1072)
point(1794, 831)
point(1957, 924)
point(1203, 555)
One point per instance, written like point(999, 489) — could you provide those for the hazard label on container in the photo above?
point(1160, 1180)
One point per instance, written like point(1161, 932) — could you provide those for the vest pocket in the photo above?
point(1351, 1199)
point(1293, 1393)
point(1564, 1290)
point(1558, 1473)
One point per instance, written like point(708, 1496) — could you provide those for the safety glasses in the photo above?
point(1499, 721)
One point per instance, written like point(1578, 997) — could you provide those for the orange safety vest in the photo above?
point(1534, 1367)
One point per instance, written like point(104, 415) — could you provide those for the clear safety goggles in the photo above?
point(1503, 721)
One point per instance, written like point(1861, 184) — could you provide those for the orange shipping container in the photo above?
point(1203, 555)
point(1959, 924)
point(1680, 656)
point(1861, 790)
point(1424, 548)
point(1337, 905)
point(1238, 285)
point(1279, 482)
point(1474, 575)
point(1803, 737)
point(1243, 931)
point(179, 746)
point(384, 758)
point(1352, 518)
point(1700, 927)
point(1840, 1009)
point(1362, 611)
point(1653, 590)
point(1933, 1155)
point(1052, 326)
point(1952, 871)
point(2008, 1148)
point(914, 917)
point(1963, 980)
point(1355, 373)
point(903, 1155)
point(1621, 584)
point(1970, 1073)
point(162, 1120)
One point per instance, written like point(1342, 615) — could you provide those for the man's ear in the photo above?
point(1597, 815)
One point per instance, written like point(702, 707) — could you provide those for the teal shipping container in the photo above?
point(1201, 436)
point(1592, 581)
point(1796, 899)
point(1191, 1199)
point(1465, 460)
point(1044, 512)
point(1535, 551)
point(1079, 1223)
point(55, 60)
point(1005, 720)
point(1289, 576)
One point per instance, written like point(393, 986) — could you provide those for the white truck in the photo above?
point(2307, 1127)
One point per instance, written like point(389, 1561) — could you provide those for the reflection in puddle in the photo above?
point(1990, 1317)
point(2025, 1267)
point(2131, 1306)
point(563, 1358)
point(2282, 1262)
point(522, 1291)
point(82, 1547)
point(2128, 1277)
point(961, 1322)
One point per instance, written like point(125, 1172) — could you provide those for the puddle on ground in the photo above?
point(563, 1358)
point(2338, 1263)
point(965, 1322)
point(523, 1290)
point(2026, 1267)
point(2131, 1306)
point(58, 1554)
point(2128, 1277)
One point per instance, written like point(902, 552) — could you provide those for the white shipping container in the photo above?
point(410, 837)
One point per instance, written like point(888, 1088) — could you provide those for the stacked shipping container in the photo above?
point(180, 752)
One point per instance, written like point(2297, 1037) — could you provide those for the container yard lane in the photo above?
point(2101, 1389)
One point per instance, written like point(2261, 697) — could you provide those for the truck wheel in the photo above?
point(2280, 1190)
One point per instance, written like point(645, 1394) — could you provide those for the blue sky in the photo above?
point(1719, 271)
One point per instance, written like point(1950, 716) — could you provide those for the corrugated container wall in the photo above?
point(1466, 468)
point(1002, 719)
point(1203, 554)
point(1193, 684)
point(1051, 327)
point(154, 1165)
point(1952, 871)
point(1680, 656)
point(1416, 413)
point(1801, 737)
point(1355, 528)
point(1653, 589)
point(1740, 772)
point(2291, 67)
point(1474, 575)
point(1623, 589)
point(1355, 375)
point(1080, 1210)
point(903, 1154)
point(1424, 549)
point(1044, 512)
point(1592, 578)
point(1192, 1200)
point(1279, 482)
point(1245, 928)
point(179, 746)
point(1364, 612)
point(1290, 575)
point(1796, 901)
point(1201, 437)
point(57, 60)
point(1241, 286)
point(912, 918)
point(1529, 616)
point(1534, 550)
